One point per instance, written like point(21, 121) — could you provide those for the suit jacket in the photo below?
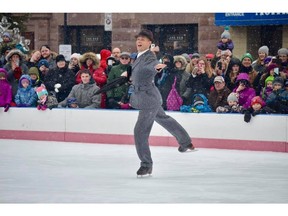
point(145, 95)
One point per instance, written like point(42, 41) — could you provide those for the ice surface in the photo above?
point(58, 172)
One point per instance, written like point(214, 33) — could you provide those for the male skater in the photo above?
point(147, 99)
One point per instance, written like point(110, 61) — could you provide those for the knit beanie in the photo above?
point(195, 55)
point(269, 78)
point(271, 67)
point(257, 100)
point(41, 90)
point(43, 62)
point(33, 70)
point(75, 55)
point(264, 49)
point(247, 55)
point(226, 35)
point(278, 80)
point(60, 58)
point(283, 51)
point(232, 97)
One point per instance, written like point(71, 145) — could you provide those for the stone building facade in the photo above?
point(197, 32)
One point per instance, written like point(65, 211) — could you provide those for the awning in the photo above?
point(250, 19)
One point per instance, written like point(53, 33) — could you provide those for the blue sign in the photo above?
point(250, 19)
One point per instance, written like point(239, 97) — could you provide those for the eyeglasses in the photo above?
point(209, 60)
point(124, 58)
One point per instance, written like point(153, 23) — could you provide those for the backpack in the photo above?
point(174, 100)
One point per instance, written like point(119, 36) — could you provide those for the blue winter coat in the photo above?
point(26, 97)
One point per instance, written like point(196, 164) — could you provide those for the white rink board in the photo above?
point(200, 125)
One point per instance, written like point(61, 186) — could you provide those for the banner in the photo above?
point(250, 19)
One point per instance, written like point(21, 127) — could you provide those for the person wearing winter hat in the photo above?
point(26, 95)
point(45, 99)
point(35, 78)
point(278, 83)
point(15, 67)
point(258, 106)
point(259, 65)
point(193, 62)
point(7, 41)
point(246, 67)
point(74, 63)
point(278, 99)
point(283, 62)
point(218, 96)
point(243, 89)
point(225, 41)
point(267, 88)
point(43, 66)
point(232, 72)
point(116, 97)
point(5, 90)
point(60, 79)
point(232, 105)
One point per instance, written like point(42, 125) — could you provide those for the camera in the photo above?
point(219, 65)
point(276, 60)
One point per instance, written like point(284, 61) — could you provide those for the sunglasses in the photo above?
point(124, 58)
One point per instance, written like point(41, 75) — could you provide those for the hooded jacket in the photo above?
point(26, 96)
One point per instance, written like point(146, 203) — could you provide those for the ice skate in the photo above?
point(143, 171)
point(189, 148)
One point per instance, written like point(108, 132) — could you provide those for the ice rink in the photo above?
point(58, 172)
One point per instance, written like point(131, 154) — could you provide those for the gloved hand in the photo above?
point(57, 86)
point(17, 73)
point(247, 117)
point(43, 107)
point(6, 107)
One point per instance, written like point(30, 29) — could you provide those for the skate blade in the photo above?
point(189, 151)
point(144, 176)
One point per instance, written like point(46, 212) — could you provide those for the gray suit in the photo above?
point(147, 98)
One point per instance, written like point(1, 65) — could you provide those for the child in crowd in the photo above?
point(5, 90)
point(278, 99)
point(43, 67)
point(44, 99)
point(244, 90)
point(225, 42)
point(233, 105)
point(34, 75)
point(258, 106)
point(268, 88)
point(26, 95)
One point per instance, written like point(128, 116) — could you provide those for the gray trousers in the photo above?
point(143, 128)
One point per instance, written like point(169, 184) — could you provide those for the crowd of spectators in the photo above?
point(246, 84)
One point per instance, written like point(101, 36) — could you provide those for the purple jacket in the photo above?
point(245, 96)
point(5, 90)
point(224, 46)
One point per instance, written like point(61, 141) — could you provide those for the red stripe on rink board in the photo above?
point(154, 140)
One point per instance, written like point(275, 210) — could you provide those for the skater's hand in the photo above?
point(159, 67)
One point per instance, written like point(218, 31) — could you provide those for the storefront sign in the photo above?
point(171, 38)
